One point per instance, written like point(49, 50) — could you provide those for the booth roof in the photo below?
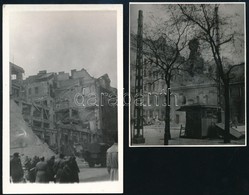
point(197, 107)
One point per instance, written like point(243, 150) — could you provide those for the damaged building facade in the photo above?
point(82, 106)
point(193, 87)
point(64, 110)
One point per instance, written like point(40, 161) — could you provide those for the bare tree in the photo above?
point(163, 44)
point(208, 23)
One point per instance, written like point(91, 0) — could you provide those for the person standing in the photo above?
point(41, 171)
point(58, 168)
point(50, 171)
point(32, 170)
point(27, 165)
point(16, 171)
point(74, 170)
point(112, 160)
point(66, 174)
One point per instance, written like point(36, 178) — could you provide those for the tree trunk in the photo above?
point(227, 112)
point(167, 135)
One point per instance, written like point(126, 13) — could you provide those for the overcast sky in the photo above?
point(65, 40)
point(156, 10)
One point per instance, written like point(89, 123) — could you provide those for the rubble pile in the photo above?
point(22, 138)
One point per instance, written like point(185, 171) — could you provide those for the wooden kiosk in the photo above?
point(199, 119)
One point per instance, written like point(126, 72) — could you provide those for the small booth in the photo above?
point(199, 119)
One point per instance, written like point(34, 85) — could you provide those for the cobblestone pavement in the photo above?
point(88, 174)
point(154, 136)
point(93, 174)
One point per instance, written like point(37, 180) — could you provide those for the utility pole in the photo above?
point(138, 112)
point(217, 69)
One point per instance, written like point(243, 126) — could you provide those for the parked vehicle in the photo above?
point(95, 153)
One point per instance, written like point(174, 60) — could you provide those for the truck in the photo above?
point(95, 154)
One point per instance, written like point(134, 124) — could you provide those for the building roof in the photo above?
point(197, 107)
point(106, 77)
point(45, 76)
point(16, 69)
point(40, 77)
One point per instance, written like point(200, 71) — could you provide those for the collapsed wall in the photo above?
point(22, 138)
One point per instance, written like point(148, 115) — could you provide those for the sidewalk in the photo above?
point(154, 135)
point(93, 174)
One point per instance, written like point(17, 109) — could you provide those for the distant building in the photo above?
point(36, 99)
point(16, 79)
point(192, 87)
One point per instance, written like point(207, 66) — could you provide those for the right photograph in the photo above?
point(187, 75)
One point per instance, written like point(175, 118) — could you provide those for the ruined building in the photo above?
point(82, 107)
point(64, 110)
point(16, 79)
point(22, 136)
point(35, 98)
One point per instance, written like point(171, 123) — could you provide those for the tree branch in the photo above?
point(232, 67)
point(227, 40)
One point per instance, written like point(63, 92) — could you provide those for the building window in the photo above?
point(145, 73)
point(45, 103)
point(149, 73)
point(16, 92)
point(26, 109)
point(240, 89)
point(149, 87)
point(145, 87)
point(46, 114)
point(190, 101)
point(206, 99)
point(197, 99)
point(36, 90)
point(46, 125)
point(37, 112)
point(154, 74)
point(37, 124)
point(47, 139)
point(13, 77)
point(151, 100)
point(29, 91)
point(177, 118)
point(145, 100)
point(184, 100)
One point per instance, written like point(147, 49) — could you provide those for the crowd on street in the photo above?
point(41, 170)
point(57, 170)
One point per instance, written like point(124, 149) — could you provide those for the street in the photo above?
point(88, 174)
point(154, 135)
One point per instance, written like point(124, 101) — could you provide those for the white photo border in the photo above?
point(91, 187)
point(186, 146)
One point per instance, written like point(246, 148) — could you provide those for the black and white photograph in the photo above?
point(187, 75)
point(63, 80)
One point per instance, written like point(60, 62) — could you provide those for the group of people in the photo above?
point(57, 170)
point(38, 170)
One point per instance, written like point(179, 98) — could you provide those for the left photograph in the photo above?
point(62, 73)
